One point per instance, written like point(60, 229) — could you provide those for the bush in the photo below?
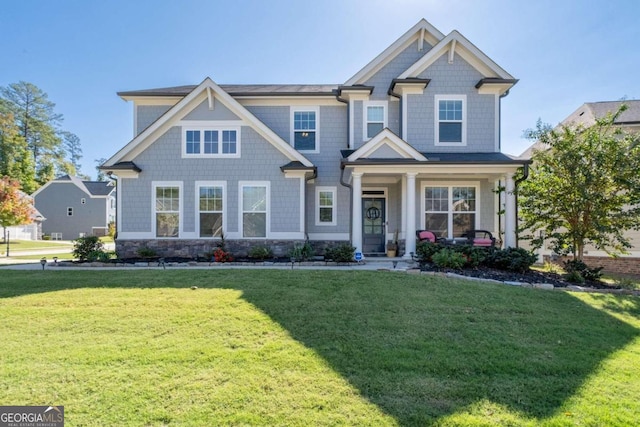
point(145, 252)
point(426, 250)
point(475, 256)
point(85, 248)
point(301, 252)
point(220, 255)
point(511, 259)
point(260, 252)
point(588, 274)
point(574, 277)
point(340, 253)
point(449, 258)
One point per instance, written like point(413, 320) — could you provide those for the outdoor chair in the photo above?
point(427, 236)
point(481, 238)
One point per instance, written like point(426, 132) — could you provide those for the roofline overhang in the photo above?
point(122, 166)
point(404, 162)
point(355, 88)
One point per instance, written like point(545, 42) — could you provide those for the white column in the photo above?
point(410, 197)
point(510, 212)
point(356, 214)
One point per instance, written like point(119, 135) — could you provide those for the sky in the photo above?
point(564, 52)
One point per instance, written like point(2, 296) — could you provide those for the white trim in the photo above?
point(154, 186)
point(303, 109)
point(284, 235)
point(436, 117)
point(389, 138)
point(365, 121)
point(201, 154)
point(267, 186)
point(288, 101)
point(385, 196)
point(431, 34)
point(211, 123)
point(328, 236)
point(497, 123)
point(352, 131)
point(450, 212)
point(198, 185)
point(188, 103)
point(131, 235)
point(334, 210)
point(467, 51)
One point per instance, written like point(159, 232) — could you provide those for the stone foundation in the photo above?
point(199, 248)
point(622, 265)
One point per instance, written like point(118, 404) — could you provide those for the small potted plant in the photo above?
point(392, 248)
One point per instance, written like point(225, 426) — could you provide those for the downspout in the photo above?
point(525, 175)
point(342, 181)
point(350, 187)
point(115, 180)
point(314, 175)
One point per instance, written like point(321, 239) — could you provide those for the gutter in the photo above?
point(115, 180)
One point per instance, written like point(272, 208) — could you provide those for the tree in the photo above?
point(101, 175)
point(15, 207)
point(15, 158)
point(39, 126)
point(583, 188)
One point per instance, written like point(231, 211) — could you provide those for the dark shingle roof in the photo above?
point(99, 188)
point(453, 158)
point(242, 90)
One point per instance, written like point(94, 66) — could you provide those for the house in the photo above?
point(30, 231)
point(411, 141)
point(76, 208)
point(586, 116)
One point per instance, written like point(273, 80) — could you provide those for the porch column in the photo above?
point(510, 212)
point(356, 214)
point(410, 235)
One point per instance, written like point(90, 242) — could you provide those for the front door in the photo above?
point(373, 225)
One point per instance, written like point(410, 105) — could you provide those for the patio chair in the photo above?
point(481, 238)
point(427, 236)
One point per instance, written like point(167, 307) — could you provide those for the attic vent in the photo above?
point(373, 192)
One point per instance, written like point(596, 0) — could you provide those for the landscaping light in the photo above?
point(43, 262)
point(55, 260)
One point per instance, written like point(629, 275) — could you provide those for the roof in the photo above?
point(99, 188)
point(588, 112)
point(237, 90)
point(450, 158)
point(92, 188)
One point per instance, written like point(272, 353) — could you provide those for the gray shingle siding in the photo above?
point(219, 112)
point(458, 78)
point(147, 114)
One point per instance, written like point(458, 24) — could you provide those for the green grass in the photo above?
point(31, 245)
point(302, 348)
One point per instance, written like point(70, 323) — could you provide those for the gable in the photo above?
point(211, 95)
point(218, 112)
point(423, 34)
point(386, 145)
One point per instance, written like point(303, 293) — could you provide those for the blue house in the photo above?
point(410, 142)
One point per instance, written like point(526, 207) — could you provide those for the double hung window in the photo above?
point(255, 207)
point(210, 209)
point(450, 120)
point(325, 206)
point(450, 211)
point(167, 210)
point(305, 129)
point(375, 113)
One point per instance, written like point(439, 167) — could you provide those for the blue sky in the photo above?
point(81, 53)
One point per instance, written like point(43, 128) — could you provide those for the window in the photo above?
point(210, 208)
point(450, 115)
point(69, 211)
point(255, 206)
point(325, 205)
point(167, 210)
point(450, 211)
point(304, 132)
point(211, 143)
point(375, 114)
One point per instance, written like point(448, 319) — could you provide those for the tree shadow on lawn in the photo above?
point(421, 348)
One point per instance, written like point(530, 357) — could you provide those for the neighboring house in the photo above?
point(411, 141)
point(31, 231)
point(629, 120)
point(76, 208)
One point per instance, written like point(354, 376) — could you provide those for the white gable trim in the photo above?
point(423, 30)
point(193, 99)
point(75, 181)
point(456, 42)
point(393, 141)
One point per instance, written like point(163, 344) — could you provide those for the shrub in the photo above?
point(220, 255)
point(145, 252)
point(574, 277)
point(301, 252)
point(474, 256)
point(101, 256)
point(260, 252)
point(449, 258)
point(340, 253)
point(425, 251)
point(111, 230)
point(512, 259)
point(578, 266)
point(86, 247)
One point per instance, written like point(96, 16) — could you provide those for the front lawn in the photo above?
point(281, 347)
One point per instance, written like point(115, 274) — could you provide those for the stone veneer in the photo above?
point(198, 247)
